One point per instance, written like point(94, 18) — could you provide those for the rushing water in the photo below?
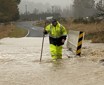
point(19, 65)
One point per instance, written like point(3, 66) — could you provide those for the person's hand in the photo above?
point(45, 32)
point(63, 40)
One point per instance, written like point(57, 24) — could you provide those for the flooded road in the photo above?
point(19, 65)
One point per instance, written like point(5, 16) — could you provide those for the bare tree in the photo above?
point(35, 11)
point(57, 9)
point(100, 6)
point(83, 8)
point(66, 12)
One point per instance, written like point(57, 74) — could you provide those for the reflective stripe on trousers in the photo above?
point(56, 51)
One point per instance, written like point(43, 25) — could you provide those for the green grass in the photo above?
point(12, 31)
point(89, 36)
point(17, 32)
point(97, 37)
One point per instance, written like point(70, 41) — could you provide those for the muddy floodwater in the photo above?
point(19, 64)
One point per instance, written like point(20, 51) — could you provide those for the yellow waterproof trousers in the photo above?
point(56, 52)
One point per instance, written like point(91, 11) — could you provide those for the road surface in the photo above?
point(33, 31)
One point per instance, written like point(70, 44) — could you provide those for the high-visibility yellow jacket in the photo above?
point(56, 34)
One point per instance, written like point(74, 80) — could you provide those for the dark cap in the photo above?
point(54, 20)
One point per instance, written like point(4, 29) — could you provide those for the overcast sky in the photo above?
point(61, 3)
point(43, 4)
point(57, 2)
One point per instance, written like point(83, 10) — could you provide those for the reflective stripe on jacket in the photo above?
point(56, 34)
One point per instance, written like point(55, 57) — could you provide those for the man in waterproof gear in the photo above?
point(57, 36)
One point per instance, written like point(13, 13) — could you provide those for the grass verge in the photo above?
point(17, 32)
point(12, 31)
point(93, 31)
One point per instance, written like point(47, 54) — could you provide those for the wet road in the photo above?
point(33, 31)
point(19, 65)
